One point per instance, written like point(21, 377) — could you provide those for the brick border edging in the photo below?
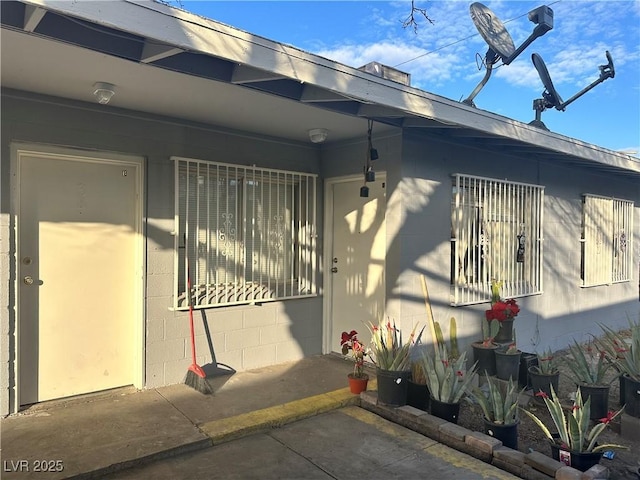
point(530, 466)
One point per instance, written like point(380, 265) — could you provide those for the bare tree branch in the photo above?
point(411, 21)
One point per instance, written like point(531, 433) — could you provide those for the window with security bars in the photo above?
point(606, 240)
point(496, 234)
point(243, 234)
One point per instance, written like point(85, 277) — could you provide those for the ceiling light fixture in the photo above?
point(318, 135)
point(103, 92)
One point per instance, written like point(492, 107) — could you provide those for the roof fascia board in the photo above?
point(195, 33)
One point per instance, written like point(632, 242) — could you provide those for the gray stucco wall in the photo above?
point(417, 222)
point(243, 337)
point(565, 311)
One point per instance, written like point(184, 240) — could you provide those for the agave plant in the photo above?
point(588, 365)
point(447, 378)
point(547, 363)
point(391, 352)
point(573, 427)
point(499, 406)
point(623, 354)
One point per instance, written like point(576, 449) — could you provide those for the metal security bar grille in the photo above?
point(249, 234)
point(496, 229)
point(607, 239)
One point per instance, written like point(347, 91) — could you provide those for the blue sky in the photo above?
point(443, 57)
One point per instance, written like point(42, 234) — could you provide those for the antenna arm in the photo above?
point(538, 31)
point(606, 71)
point(490, 59)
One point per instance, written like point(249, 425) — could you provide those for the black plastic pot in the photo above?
point(505, 333)
point(486, 358)
point(599, 395)
point(418, 396)
point(631, 396)
point(507, 365)
point(507, 434)
point(447, 411)
point(543, 381)
point(392, 387)
point(582, 461)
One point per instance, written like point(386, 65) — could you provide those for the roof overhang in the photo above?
point(173, 63)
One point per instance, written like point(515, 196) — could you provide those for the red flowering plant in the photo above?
point(501, 310)
point(350, 343)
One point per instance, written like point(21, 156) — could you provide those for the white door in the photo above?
point(78, 233)
point(358, 251)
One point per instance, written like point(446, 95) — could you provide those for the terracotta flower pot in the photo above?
point(358, 384)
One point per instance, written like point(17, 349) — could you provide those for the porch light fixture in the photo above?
point(318, 135)
point(103, 92)
point(372, 154)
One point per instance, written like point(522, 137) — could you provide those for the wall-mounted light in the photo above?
point(103, 92)
point(318, 135)
point(369, 175)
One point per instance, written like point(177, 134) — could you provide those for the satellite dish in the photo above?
point(501, 46)
point(551, 98)
point(492, 30)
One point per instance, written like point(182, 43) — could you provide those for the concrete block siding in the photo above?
point(418, 171)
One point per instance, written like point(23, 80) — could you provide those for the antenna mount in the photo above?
point(501, 46)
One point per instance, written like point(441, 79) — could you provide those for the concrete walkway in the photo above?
point(95, 435)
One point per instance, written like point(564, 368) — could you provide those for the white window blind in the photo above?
point(607, 239)
point(249, 234)
point(496, 234)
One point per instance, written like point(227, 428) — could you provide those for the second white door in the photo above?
point(358, 251)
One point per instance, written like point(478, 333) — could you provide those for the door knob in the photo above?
point(28, 280)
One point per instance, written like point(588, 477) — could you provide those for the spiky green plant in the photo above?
point(547, 363)
point(573, 427)
point(453, 337)
point(588, 365)
point(447, 379)
point(391, 352)
point(623, 354)
point(499, 405)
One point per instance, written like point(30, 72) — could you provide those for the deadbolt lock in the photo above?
point(28, 280)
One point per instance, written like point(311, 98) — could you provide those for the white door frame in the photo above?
point(137, 163)
point(327, 297)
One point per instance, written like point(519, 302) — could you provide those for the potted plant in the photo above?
point(588, 366)
point(499, 405)
point(484, 351)
point(393, 361)
point(573, 443)
point(358, 379)
point(546, 374)
point(448, 380)
point(417, 390)
point(502, 311)
point(625, 356)
point(508, 362)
